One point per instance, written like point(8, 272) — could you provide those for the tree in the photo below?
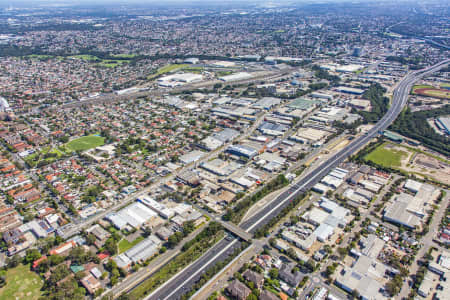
point(342, 252)
point(111, 246)
point(291, 253)
point(188, 227)
point(252, 297)
point(13, 261)
point(90, 239)
point(273, 273)
point(32, 255)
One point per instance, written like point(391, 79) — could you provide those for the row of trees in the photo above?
point(237, 212)
point(415, 125)
point(264, 230)
point(379, 103)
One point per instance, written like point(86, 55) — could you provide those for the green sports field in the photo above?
point(386, 157)
point(21, 283)
point(85, 143)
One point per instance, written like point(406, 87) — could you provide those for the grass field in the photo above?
point(437, 93)
point(124, 244)
point(167, 69)
point(111, 63)
point(124, 55)
point(107, 63)
point(86, 57)
point(386, 157)
point(431, 91)
point(21, 283)
point(85, 143)
point(421, 86)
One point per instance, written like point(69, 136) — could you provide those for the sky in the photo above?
point(50, 2)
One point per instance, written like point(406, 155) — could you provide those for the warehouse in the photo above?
point(322, 96)
point(183, 78)
point(370, 185)
point(324, 232)
point(144, 250)
point(220, 167)
point(159, 208)
point(136, 214)
point(312, 135)
point(267, 103)
point(191, 157)
point(332, 181)
point(236, 77)
point(355, 198)
point(316, 216)
point(226, 135)
point(241, 150)
point(122, 261)
point(397, 213)
point(293, 238)
point(363, 277)
point(350, 90)
point(360, 104)
point(443, 123)
point(116, 220)
point(210, 143)
point(272, 128)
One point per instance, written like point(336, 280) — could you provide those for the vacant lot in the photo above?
point(384, 156)
point(85, 143)
point(415, 161)
point(21, 283)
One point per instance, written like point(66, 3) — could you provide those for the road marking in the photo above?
point(190, 277)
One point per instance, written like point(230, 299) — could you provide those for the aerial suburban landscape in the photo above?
point(224, 150)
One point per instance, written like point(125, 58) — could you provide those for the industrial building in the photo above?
point(236, 77)
point(241, 150)
point(361, 104)
point(364, 276)
point(349, 90)
point(179, 79)
point(158, 207)
point(443, 123)
point(191, 157)
point(134, 215)
point(397, 213)
point(272, 129)
point(266, 103)
point(144, 250)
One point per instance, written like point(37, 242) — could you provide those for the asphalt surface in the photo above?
point(183, 281)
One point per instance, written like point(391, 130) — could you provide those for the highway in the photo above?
point(182, 282)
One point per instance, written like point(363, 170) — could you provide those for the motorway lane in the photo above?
point(181, 283)
point(400, 99)
point(184, 280)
